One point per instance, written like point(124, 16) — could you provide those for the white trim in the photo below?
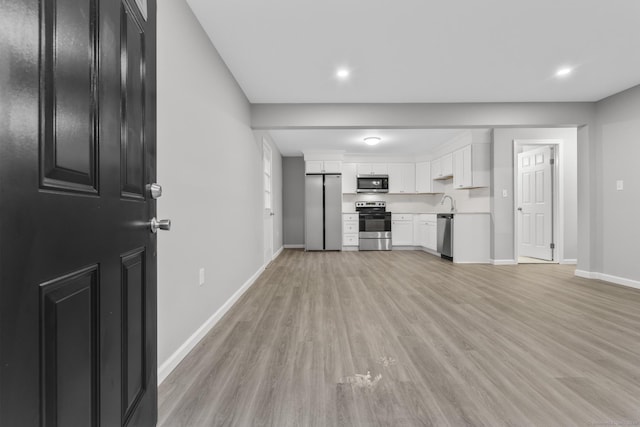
point(609, 278)
point(503, 261)
point(170, 364)
point(293, 246)
point(278, 252)
point(568, 261)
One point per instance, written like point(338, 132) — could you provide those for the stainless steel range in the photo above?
point(375, 226)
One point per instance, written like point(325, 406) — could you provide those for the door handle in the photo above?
point(159, 224)
point(155, 190)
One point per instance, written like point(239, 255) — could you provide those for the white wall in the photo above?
point(618, 132)
point(210, 166)
point(502, 179)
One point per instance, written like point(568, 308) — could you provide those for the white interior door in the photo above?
point(268, 209)
point(535, 204)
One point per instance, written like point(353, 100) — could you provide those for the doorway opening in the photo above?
point(538, 201)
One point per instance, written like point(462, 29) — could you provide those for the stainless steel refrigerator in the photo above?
point(323, 212)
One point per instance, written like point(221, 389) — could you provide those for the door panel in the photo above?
point(535, 203)
point(132, 81)
point(69, 356)
point(133, 330)
point(314, 213)
point(77, 343)
point(69, 96)
point(333, 212)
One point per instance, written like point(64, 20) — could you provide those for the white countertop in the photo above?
point(434, 213)
point(428, 213)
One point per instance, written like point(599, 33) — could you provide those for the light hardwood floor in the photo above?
point(455, 345)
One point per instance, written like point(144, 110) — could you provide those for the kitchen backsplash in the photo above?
point(475, 200)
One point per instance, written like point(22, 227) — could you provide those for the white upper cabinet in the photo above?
point(402, 178)
point(313, 166)
point(442, 168)
point(332, 166)
point(349, 180)
point(425, 183)
point(471, 165)
point(323, 166)
point(446, 162)
point(423, 177)
point(372, 169)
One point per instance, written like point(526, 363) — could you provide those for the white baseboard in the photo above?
point(503, 261)
point(350, 248)
point(170, 364)
point(278, 252)
point(294, 246)
point(569, 261)
point(586, 274)
point(609, 278)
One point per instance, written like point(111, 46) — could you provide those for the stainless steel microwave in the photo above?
point(373, 184)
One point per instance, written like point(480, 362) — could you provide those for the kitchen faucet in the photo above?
point(453, 202)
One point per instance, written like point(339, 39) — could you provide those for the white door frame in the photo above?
point(558, 196)
point(267, 201)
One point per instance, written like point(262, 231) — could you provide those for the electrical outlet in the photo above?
point(504, 193)
point(619, 185)
point(201, 276)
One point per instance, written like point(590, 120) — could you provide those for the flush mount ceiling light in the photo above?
point(564, 72)
point(343, 73)
point(372, 140)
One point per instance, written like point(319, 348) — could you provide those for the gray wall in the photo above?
point(210, 166)
point(293, 198)
point(618, 130)
point(502, 179)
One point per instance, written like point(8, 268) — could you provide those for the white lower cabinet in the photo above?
point(471, 238)
point(432, 234)
point(426, 231)
point(402, 229)
point(350, 229)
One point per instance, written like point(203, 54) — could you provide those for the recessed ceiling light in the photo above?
point(372, 140)
point(343, 73)
point(563, 72)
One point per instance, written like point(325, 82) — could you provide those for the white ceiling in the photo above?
point(398, 142)
point(283, 51)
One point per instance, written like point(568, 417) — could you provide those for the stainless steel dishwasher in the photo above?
point(445, 236)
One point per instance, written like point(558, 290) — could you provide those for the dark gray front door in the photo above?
point(77, 260)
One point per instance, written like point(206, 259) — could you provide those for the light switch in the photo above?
point(201, 276)
point(505, 193)
point(619, 185)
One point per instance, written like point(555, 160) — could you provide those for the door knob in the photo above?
point(155, 190)
point(520, 209)
point(272, 213)
point(160, 224)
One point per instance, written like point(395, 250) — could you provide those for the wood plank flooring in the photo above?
point(444, 345)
